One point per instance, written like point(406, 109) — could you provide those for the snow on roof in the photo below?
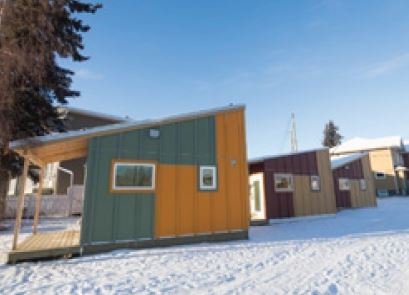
point(359, 144)
point(406, 145)
point(263, 158)
point(111, 128)
point(339, 161)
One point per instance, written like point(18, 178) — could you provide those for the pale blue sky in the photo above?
point(322, 59)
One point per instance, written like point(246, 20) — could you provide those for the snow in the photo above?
point(339, 161)
point(406, 144)
point(358, 144)
point(358, 251)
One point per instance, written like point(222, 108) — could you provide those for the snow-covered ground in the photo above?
point(361, 251)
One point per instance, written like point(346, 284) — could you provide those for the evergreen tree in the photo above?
point(332, 137)
point(33, 34)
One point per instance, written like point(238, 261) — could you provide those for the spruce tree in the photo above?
point(33, 34)
point(332, 137)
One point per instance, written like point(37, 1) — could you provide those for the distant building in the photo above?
point(59, 175)
point(354, 184)
point(386, 157)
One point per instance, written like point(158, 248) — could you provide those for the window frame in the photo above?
point(132, 189)
point(202, 186)
point(382, 192)
point(319, 183)
point(290, 189)
point(344, 189)
point(362, 181)
point(377, 177)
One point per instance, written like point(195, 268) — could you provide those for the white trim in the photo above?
point(261, 213)
point(347, 182)
point(136, 188)
point(378, 177)
point(382, 192)
point(363, 184)
point(290, 185)
point(205, 187)
point(318, 181)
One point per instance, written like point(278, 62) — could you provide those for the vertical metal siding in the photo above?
point(352, 171)
point(112, 217)
point(184, 210)
point(302, 165)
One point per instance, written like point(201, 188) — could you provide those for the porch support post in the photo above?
point(38, 200)
point(20, 203)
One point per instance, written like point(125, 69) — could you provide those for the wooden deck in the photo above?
point(46, 245)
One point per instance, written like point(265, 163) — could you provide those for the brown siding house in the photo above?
point(297, 184)
point(353, 181)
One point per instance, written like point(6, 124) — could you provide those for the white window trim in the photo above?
point(349, 184)
point(290, 189)
point(204, 187)
point(134, 188)
point(379, 177)
point(319, 183)
point(382, 193)
point(363, 180)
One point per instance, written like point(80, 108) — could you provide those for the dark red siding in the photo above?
point(281, 205)
point(300, 164)
point(351, 170)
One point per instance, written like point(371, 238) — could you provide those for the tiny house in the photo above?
point(297, 184)
point(353, 181)
point(181, 179)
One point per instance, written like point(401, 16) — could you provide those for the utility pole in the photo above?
point(294, 142)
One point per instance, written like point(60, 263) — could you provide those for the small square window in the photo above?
point(208, 178)
point(344, 184)
point(129, 176)
point(380, 175)
point(283, 183)
point(315, 183)
point(363, 184)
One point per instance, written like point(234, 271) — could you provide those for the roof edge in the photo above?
point(268, 157)
point(118, 127)
point(358, 156)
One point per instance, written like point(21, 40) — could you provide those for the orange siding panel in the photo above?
point(232, 153)
point(181, 209)
point(165, 212)
point(186, 196)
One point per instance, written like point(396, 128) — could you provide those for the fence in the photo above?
point(52, 205)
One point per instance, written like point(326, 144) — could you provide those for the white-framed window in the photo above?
point(133, 176)
point(283, 182)
point(344, 184)
point(363, 184)
point(382, 193)
point(207, 178)
point(379, 175)
point(315, 183)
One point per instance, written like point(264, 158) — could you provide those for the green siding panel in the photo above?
point(114, 217)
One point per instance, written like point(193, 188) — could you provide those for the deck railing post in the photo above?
point(20, 202)
point(38, 200)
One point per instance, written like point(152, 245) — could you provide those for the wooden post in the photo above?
point(20, 203)
point(38, 200)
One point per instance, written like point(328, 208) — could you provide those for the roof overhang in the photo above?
point(55, 151)
point(74, 144)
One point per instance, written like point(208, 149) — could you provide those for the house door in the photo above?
point(257, 197)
